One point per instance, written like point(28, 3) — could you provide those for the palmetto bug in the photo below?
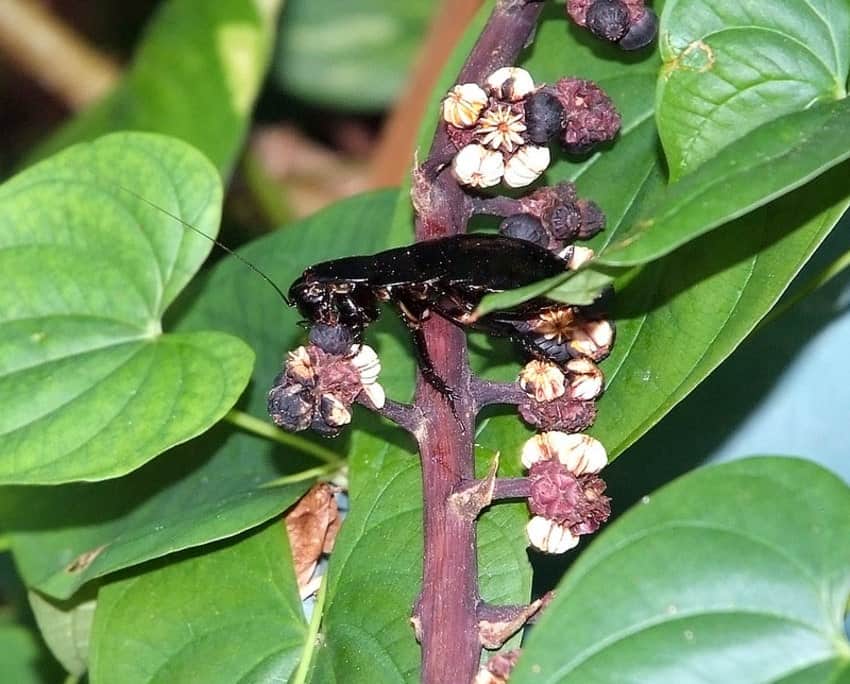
point(448, 277)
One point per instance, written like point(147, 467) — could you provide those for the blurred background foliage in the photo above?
point(337, 113)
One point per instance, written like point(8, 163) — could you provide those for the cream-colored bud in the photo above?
point(334, 411)
point(586, 380)
point(478, 167)
point(510, 83)
point(526, 166)
point(579, 453)
point(593, 339)
point(376, 394)
point(463, 105)
point(542, 380)
point(578, 256)
point(366, 362)
point(550, 537)
point(299, 366)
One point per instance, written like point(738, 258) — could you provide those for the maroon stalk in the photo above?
point(447, 612)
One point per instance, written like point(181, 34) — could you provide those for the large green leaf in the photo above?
point(229, 614)
point(349, 55)
point(208, 489)
point(736, 573)
point(66, 627)
point(771, 161)
point(90, 388)
point(731, 65)
point(22, 658)
point(195, 76)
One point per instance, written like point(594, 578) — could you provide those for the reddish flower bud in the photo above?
point(589, 115)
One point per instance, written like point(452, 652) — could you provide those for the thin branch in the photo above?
point(311, 642)
point(406, 416)
point(261, 428)
point(512, 488)
point(496, 206)
point(489, 393)
point(59, 58)
point(445, 613)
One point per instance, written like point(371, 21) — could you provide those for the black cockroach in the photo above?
point(447, 276)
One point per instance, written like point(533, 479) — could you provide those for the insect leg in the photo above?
point(413, 312)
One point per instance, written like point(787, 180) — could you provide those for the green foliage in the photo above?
point(731, 66)
point(700, 245)
point(705, 581)
point(90, 388)
point(352, 56)
point(230, 613)
point(195, 76)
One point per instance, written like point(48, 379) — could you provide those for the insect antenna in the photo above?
point(217, 243)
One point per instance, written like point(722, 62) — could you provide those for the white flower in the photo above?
point(526, 165)
point(549, 536)
point(579, 453)
point(542, 380)
point(501, 127)
point(463, 105)
point(368, 366)
point(585, 379)
point(510, 83)
point(478, 167)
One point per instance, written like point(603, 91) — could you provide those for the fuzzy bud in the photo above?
point(498, 669)
point(593, 339)
point(563, 413)
point(590, 117)
point(334, 412)
point(580, 454)
point(577, 256)
point(524, 227)
point(334, 339)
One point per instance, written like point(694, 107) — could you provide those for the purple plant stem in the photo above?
point(446, 613)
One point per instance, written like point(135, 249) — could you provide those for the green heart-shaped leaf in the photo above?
point(231, 613)
point(736, 573)
point(732, 65)
point(90, 388)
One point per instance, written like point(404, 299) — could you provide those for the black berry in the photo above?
point(525, 227)
point(291, 407)
point(544, 117)
point(608, 19)
point(641, 33)
point(333, 339)
point(592, 219)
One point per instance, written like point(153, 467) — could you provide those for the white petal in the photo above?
point(464, 104)
point(548, 536)
point(478, 167)
point(510, 83)
point(526, 166)
point(581, 453)
point(367, 363)
point(376, 394)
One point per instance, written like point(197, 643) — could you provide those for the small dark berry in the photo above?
point(592, 219)
point(321, 427)
point(334, 339)
point(565, 221)
point(544, 117)
point(551, 348)
point(524, 227)
point(608, 19)
point(291, 407)
point(641, 33)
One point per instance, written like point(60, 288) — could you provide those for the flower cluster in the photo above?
point(317, 388)
point(561, 392)
point(628, 23)
point(501, 129)
point(567, 497)
point(555, 217)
